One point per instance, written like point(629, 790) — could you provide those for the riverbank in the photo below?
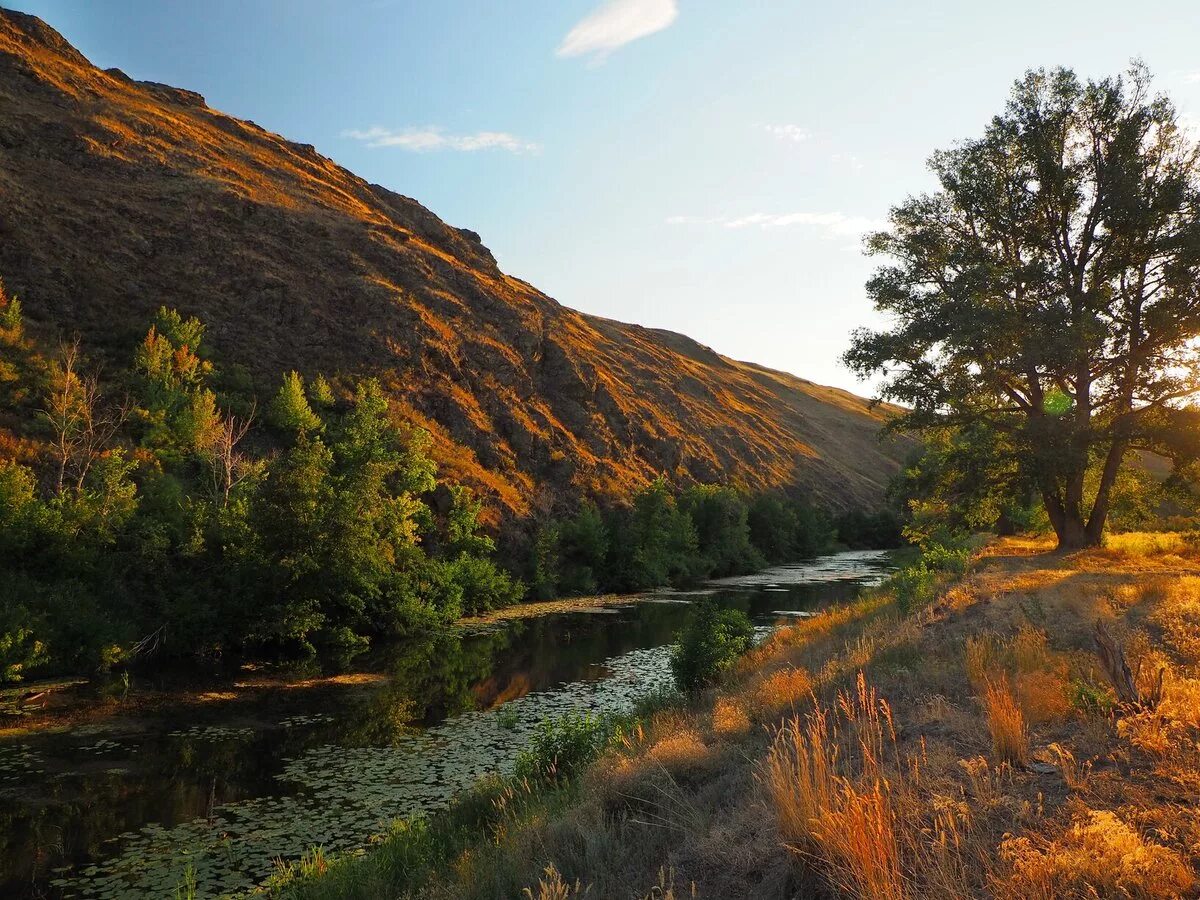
point(974, 747)
point(225, 777)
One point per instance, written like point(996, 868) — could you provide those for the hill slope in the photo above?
point(119, 196)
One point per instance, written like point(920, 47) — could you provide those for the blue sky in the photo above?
point(706, 166)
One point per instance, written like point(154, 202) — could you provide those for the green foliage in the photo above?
point(561, 749)
point(880, 530)
point(710, 645)
point(917, 585)
point(1041, 331)
point(290, 410)
point(172, 535)
point(481, 584)
point(11, 318)
point(1092, 700)
point(320, 393)
point(20, 647)
point(784, 531)
point(584, 551)
point(720, 518)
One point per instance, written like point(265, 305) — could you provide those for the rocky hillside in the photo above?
point(118, 196)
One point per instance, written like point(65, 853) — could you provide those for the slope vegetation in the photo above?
point(119, 196)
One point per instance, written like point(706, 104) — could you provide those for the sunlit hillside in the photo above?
point(120, 196)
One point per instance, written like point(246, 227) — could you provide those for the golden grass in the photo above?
point(1006, 722)
point(1043, 696)
point(780, 692)
point(944, 791)
point(1098, 856)
point(1144, 543)
point(826, 778)
point(552, 886)
point(729, 717)
point(680, 753)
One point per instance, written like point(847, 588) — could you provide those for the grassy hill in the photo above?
point(120, 196)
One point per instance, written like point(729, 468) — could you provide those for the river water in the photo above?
point(226, 778)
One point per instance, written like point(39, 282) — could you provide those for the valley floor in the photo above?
point(972, 748)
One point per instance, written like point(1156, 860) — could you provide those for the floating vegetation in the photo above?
point(214, 733)
point(104, 745)
point(18, 761)
point(344, 796)
point(301, 721)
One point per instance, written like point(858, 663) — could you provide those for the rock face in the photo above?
point(118, 196)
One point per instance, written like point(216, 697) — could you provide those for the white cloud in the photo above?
point(435, 138)
point(793, 133)
point(1192, 78)
point(834, 224)
point(614, 24)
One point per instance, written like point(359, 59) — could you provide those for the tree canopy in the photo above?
point(1049, 289)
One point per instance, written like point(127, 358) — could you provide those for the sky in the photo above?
point(705, 166)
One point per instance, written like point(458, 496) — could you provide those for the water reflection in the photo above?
point(120, 809)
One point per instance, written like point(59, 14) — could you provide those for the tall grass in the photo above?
point(1006, 722)
point(827, 776)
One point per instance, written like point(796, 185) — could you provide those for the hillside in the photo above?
point(120, 196)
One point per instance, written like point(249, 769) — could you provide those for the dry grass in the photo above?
point(729, 717)
point(1097, 856)
point(826, 776)
point(1144, 543)
point(1006, 722)
point(784, 691)
point(552, 886)
point(987, 771)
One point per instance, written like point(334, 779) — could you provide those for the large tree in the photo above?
point(1050, 288)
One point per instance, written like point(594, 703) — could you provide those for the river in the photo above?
point(227, 776)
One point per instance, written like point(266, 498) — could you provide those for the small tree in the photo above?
point(81, 426)
point(1050, 289)
point(290, 411)
point(11, 319)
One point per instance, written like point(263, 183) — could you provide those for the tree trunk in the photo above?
point(1074, 534)
point(1069, 525)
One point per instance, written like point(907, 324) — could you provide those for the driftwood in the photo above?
point(1124, 680)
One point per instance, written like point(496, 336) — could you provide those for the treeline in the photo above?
point(186, 519)
point(665, 537)
point(164, 510)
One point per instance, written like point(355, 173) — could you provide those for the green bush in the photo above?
point(710, 645)
point(951, 560)
point(562, 748)
point(915, 587)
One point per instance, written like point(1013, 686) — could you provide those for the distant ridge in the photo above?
point(118, 196)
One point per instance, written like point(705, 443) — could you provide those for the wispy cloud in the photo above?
point(834, 224)
point(793, 133)
point(424, 140)
point(614, 24)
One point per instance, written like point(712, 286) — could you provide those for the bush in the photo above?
point(915, 587)
point(20, 648)
point(709, 646)
point(563, 748)
point(484, 585)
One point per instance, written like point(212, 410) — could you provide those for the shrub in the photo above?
point(562, 748)
point(1097, 857)
point(20, 647)
point(709, 646)
point(915, 587)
